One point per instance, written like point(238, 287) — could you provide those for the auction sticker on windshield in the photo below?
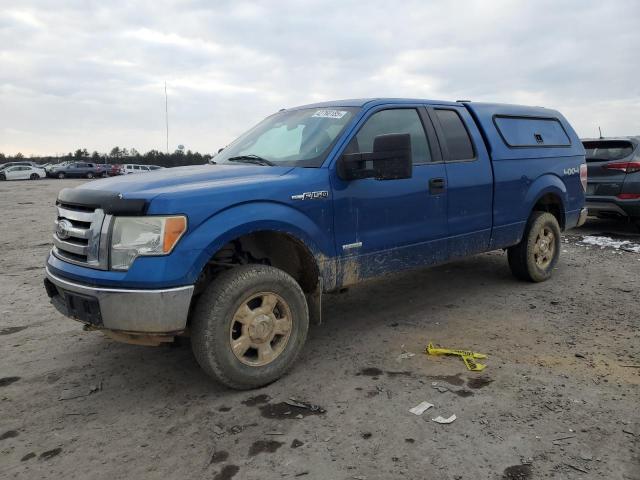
point(329, 113)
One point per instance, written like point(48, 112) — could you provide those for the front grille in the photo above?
point(80, 235)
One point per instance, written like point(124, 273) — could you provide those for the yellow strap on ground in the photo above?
point(468, 357)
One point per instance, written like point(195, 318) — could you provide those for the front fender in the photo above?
point(246, 218)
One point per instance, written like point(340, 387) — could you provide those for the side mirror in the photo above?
point(390, 160)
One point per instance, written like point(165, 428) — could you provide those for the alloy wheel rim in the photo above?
point(544, 248)
point(260, 329)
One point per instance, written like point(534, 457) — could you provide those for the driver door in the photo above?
point(384, 226)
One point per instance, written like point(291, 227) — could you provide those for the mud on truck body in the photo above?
point(313, 199)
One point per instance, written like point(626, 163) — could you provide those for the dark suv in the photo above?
point(613, 188)
point(77, 169)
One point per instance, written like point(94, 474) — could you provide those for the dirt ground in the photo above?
point(558, 399)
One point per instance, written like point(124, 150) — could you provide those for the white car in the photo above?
point(22, 172)
point(129, 168)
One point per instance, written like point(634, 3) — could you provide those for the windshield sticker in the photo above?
point(329, 114)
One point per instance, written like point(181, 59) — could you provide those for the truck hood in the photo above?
point(183, 179)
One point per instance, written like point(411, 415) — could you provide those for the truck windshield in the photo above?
point(300, 138)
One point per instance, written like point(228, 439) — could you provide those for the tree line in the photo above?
point(118, 155)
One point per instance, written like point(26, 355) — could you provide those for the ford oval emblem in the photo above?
point(62, 230)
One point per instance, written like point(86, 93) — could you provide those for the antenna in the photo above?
point(600, 130)
point(166, 113)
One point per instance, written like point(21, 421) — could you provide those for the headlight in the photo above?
point(141, 236)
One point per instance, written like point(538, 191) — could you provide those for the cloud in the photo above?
point(91, 74)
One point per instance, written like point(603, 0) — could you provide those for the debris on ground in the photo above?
point(305, 405)
point(440, 388)
point(421, 408)
point(405, 355)
point(468, 357)
point(444, 421)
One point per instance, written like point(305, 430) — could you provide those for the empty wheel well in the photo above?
point(277, 249)
point(551, 203)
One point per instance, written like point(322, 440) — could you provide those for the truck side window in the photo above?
point(402, 120)
point(455, 135)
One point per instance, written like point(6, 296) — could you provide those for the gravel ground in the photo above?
point(558, 398)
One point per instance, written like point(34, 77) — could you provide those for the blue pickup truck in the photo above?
point(313, 199)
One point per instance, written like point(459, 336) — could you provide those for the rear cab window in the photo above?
point(519, 132)
point(606, 150)
point(456, 137)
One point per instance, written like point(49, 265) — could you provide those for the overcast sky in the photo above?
point(91, 73)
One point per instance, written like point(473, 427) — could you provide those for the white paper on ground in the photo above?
point(443, 420)
point(421, 408)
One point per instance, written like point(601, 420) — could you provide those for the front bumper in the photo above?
point(161, 311)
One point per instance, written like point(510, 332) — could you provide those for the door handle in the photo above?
point(436, 185)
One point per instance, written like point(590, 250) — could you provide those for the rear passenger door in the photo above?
point(469, 180)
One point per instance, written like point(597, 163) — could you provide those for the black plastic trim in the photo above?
point(111, 202)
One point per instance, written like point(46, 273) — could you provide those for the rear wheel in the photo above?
point(535, 257)
point(2, 177)
point(249, 326)
point(61, 175)
point(34, 176)
point(89, 174)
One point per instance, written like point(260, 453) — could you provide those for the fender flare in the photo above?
point(242, 219)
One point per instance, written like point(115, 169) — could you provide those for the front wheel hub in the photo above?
point(260, 329)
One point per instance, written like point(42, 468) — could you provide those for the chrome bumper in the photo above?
point(144, 311)
point(583, 217)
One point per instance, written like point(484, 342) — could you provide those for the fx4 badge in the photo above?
point(572, 171)
point(310, 195)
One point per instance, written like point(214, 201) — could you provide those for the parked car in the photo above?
point(129, 168)
point(13, 164)
point(22, 172)
point(311, 200)
point(614, 177)
point(76, 169)
point(155, 167)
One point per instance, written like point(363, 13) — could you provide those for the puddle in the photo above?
point(478, 382)
point(4, 381)
point(517, 472)
point(296, 443)
point(9, 434)
point(463, 393)
point(228, 472)
point(370, 372)
point(28, 456)
point(410, 440)
point(50, 453)
point(218, 457)
point(264, 446)
point(366, 435)
point(257, 400)
point(10, 330)
point(224, 409)
point(392, 373)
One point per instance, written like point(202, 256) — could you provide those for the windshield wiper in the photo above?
point(255, 159)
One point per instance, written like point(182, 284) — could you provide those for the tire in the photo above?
point(34, 176)
point(89, 175)
point(61, 175)
point(2, 177)
point(636, 222)
point(215, 325)
point(537, 254)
